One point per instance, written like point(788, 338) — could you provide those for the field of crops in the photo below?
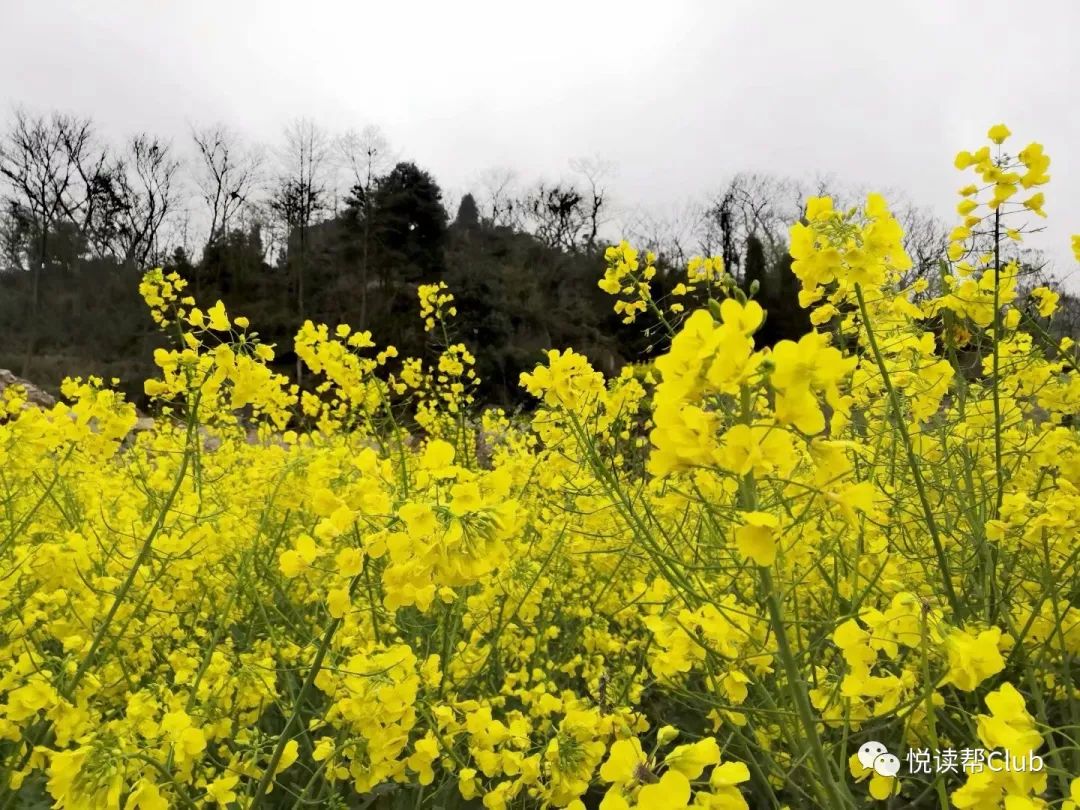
point(735, 577)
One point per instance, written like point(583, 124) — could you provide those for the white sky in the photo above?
point(679, 95)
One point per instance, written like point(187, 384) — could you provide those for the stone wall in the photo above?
point(34, 395)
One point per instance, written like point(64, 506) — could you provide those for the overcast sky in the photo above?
point(679, 95)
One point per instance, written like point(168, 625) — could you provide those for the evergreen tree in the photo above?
point(468, 214)
point(409, 225)
point(786, 320)
point(755, 268)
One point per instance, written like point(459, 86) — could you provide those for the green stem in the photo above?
point(283, 738)
point(837, 795)
point(913, 461)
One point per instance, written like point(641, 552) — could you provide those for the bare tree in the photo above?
point(366, 156)
point(95, 205)
point(451, 200)
point(52, 175)
point(596, 174)
point(12, 242)
point(674, 234)
point(498, 197)
point(300, 194)
point(752, 204)
point(227, 175)
point(145, 186)
point(34, 162)
point(926, 239)
point(556, 215)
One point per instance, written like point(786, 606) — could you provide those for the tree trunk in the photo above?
point(364, 264)
point(35, 305)
point(300, 297)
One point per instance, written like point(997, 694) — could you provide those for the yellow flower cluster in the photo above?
point(706, 582)
point(436, 303)
point(1003, 175)
point(626, 277)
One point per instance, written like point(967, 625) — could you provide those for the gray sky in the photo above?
point(679, 95)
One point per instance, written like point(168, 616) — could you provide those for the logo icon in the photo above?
point(875, 756)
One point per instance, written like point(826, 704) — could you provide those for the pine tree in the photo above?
point(468, 214)
point(755, 268)
point(409, 224)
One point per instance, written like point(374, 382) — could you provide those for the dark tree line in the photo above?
point(342, 230)
point(321, 228)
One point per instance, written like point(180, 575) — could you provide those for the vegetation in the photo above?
point(340, 230)
point(730, 577)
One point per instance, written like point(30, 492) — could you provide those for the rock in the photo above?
point(35, 397)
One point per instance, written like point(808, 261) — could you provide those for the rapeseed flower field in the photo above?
point(716, 580)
